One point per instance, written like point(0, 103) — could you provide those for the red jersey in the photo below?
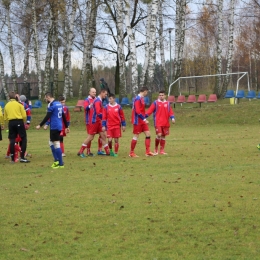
point(98, 109)
point(88, 111)
point(138, 111)
point(28, 112)
point(113, 116)
point(162, 111)
point(67, 115)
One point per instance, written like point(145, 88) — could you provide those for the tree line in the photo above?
point(129, 43)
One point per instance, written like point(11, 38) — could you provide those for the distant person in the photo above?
point(94, 125)
point(140, 123)
point(2, 127)
point(104, 86)
point(15, 114)
point(56, 116)
point(162, 113)
point(113, 119)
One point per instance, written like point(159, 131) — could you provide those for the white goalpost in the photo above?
point(214, 75)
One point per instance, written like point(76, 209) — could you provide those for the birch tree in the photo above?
point(132, 47)
point(219, 47)
point(161, 43)
point(36, 48)
point(7, 5)
point(230, 47)
point(90, 33)
point(2, 74)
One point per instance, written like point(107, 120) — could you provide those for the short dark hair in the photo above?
point(162, 91)
point(61, 98)
point(143, 89)
point(12, 95)
point(112, 95)
point(103, 90)
point(48, 94)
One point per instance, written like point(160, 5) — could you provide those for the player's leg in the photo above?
point(147, 140)
point(55, 139)
point(104, 142)
point(62, 145)
point(100, 146)
point(23, 142)
point(133, 145)
point(116, 148)
point(158, 131)
point(165, 132)
point(89, 138)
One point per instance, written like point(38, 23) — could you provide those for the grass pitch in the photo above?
point(201, 201)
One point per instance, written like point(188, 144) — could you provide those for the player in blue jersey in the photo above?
point(55, 114)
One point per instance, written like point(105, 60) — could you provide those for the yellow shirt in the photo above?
point(14, 110)
point(1, 116)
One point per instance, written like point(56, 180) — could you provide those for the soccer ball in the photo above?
point(258, 146)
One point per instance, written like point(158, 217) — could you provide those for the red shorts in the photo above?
point(95, 128)
point(114, 133)
point(137, 129)
point(164, 130)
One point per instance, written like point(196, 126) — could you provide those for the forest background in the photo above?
point(66, 46)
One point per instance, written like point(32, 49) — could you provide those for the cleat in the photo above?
point(113, 154)
point(132, 154)
point(7, 157)
point(155, 152)
point(101, 153)
point(258, 146)
point(82, 155)
point(63, 155)
point(24, 160)
point(12, 162)
point(55, 164)
point(90, 154)
point(163, 152)
point(78, 154)
point(58, 167)
point(149, 154)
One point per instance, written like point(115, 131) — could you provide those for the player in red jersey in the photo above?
point(162, 112)
point(93, 121)
point(112, 119)
point(140, 123)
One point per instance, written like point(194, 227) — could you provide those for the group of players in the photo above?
point(108, 122)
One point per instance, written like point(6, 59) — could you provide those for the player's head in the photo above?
point(62, 99)
point(48, 97)
point(111, 98)
point(103, 94)
point(161, 95)
point(93, 92)
point(144, 91)
point(22, 98)
point(12, 95)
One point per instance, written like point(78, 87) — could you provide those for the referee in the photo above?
point(15, 114)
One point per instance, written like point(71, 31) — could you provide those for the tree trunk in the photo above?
point(48, 55)
point(55, 53)
point(161, 41)
point(2, 74)
point(90, 34)
point(230, 48)
point(10, 45)
point(217, 90)
point(132, 43)
point(36, 49)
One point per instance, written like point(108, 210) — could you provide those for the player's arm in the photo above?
point(98, 108)
point(86, 105)
point(122, 117)
point(45, 119)
point(138, 109)
point(150, 110)
point(104, 118)
point(171, 114)
point(68, 116)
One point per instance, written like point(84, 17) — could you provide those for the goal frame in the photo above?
point(211, 75)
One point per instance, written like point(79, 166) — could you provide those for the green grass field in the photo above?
point(201, 201)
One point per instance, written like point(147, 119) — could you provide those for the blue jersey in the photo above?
point(55, 108)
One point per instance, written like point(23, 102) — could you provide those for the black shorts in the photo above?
point(16, 127)
point(55, 135)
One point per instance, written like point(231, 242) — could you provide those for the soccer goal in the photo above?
point(200, 84)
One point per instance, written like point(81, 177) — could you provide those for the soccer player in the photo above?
point(162, 112)
point(140, 123)
point(1, 123)
point(94, 124)
point(15, 114)
point(112, 119)
point(87, 104)
point(66, 111)
point(56, 115)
